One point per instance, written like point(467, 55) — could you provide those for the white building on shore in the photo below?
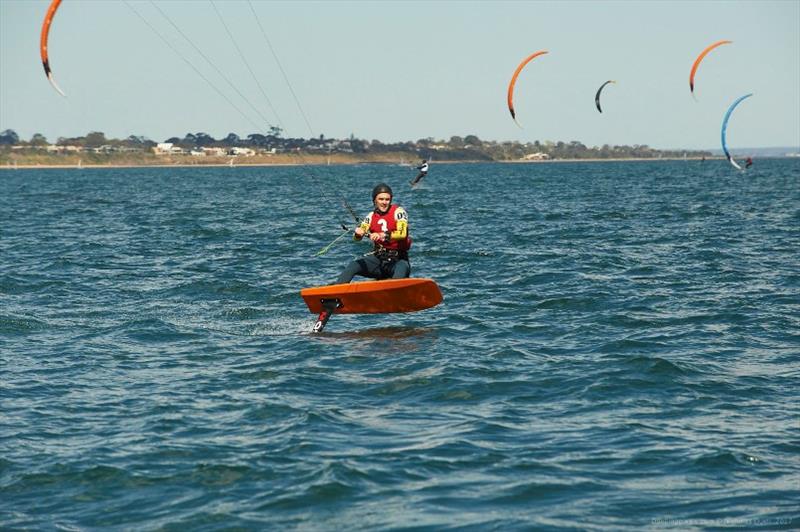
point(167, 148)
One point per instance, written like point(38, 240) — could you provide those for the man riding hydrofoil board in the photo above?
point(387, 228)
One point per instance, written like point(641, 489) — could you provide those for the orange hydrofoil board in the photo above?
point(371, 297)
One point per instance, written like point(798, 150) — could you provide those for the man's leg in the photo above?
point(402, 269)
point(366, 266)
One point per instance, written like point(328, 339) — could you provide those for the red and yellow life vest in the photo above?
point(394, 222)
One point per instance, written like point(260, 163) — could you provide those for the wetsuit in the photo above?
point(389, 258)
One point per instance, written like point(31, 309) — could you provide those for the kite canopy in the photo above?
point(513, 82)
point(725, 128)
point(48, 19)
point(699, 59)
point(597, 95)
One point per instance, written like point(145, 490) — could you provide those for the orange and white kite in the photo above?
point(513, 82)
point(699, 59)
point(48, 19)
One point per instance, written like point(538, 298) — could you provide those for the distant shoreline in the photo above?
point(348, 162)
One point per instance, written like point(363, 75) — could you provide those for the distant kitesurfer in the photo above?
point(748, 162)
point(387, 227)
point(423, 171)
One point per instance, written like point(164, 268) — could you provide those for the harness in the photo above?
point(388, 258)
point(389, 255)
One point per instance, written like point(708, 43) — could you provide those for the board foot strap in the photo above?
point(328, 307)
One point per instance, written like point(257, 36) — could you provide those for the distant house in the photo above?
point(214, 152)
point(162, 148)
point(167, 148)
point(538, 156)
point(247, 152)
point(55, 148)
point(329, 145)
point(105, 148)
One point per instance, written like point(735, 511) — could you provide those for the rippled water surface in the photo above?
point(618, 348)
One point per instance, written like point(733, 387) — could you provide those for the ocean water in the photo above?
point(618, 349)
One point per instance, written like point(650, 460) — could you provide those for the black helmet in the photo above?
point(380, 188)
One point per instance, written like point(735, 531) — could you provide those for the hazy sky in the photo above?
point(397, 71)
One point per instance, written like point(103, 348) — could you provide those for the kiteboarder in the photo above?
point(423, 171)
point(748, 162)
point(387, 227)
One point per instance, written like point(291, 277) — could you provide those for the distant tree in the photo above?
point(232, 140)
point(173, 140)
point(135, 141)
point(9, 137)
point(256, 139)
point(456, 142)
point(38, 140)
point(575, 150)
point(204, 139)
point(71, 141)
point(292, 144)
point(275, 131)
point(278, 140)
point(138, 141)
point(95, 139)
point(472, 140)
point(358, 146)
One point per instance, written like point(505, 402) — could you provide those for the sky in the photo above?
point(400, 71)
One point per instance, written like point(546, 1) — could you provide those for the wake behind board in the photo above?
point(371, 297)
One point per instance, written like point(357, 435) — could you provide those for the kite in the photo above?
point(699, 59)
point(597, 96)
point(725, 128)
point(514, 82)
point(48, 19)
